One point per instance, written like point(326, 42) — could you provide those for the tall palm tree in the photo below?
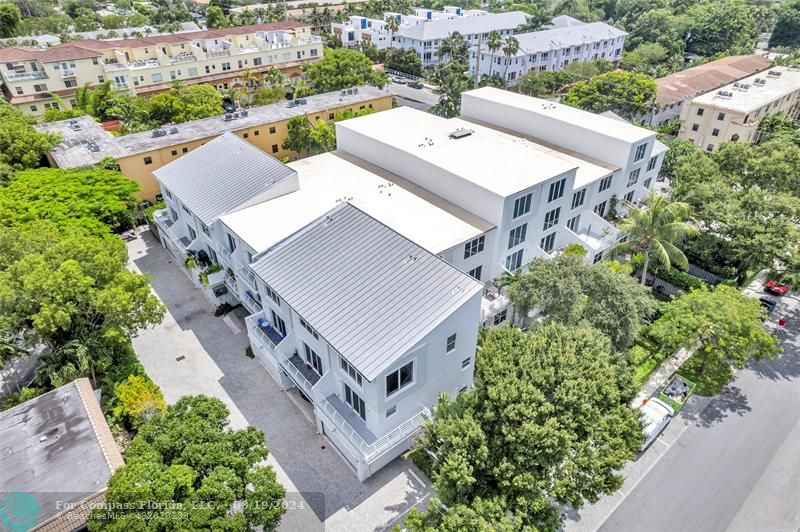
point(510, 49)
point(454, 48)
point(392, 26)
point(249, 78)
point(493, 43)
point(654, 229)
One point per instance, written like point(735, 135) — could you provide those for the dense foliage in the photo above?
point(21, 146)
point(342, 68)
point(628, 94)
point(189, 457)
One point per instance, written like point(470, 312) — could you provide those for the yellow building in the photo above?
point(85, 143)
point(733, 112)
point(150, 64)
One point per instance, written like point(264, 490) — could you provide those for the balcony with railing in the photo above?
point(22, 76)
point(249, 300)
point(218, 53)
point(355, 429)
point(67, 73)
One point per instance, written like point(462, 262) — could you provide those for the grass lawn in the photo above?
point(711, 382)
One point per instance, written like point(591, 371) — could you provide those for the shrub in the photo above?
point(138, 399)
point(248, 351)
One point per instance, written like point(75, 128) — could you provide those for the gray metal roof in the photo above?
point(369, 291)
point(562, 37)
point(466, 25)
point(50, 450)
point(224, 174)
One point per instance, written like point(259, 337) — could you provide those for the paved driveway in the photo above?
point(193, 352)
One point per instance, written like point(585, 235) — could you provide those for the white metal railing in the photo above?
point(295, 373)
point(230, 282)
point(261, 335)
point(381, 445)
point(183, 58)
point(251, 303)
point(218, 53)
point(67, 73)
point(15, 76)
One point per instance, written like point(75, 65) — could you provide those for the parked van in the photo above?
point(656, 415)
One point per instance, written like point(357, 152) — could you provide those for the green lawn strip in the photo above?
point(711, 381)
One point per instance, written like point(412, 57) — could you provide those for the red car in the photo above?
point(774, 287)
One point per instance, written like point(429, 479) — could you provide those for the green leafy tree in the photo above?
point(139, 399)
point(659, 26)
point(579, 294)
point(268, 95)
point(403, 60)
point(547, 423)
point(342, 68)
point(725, 324)
point(626, 93)
point(654, 230)
point(644, 58)
point(215, 18)
point(546, 84)
point(10, 17)
point(322, 137)
point(298, 138)
point(723, 26)
point(628, 11)
point(21, 146)
point(188, 455)
point(787, 28)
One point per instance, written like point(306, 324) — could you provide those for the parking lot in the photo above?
point(192, 352)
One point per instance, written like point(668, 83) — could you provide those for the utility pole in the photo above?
point(478, 62)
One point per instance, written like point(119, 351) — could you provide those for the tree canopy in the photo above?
point(547, 423)
point(721, 26)
point(342, 68)
point(21, 146)
point(787, 28)
point(187, 455)
point(627, 93)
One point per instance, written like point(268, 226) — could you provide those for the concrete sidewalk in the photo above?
point(192, 352)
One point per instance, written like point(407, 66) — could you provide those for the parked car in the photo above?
point(415, 84)
point(228, 106)
point(399, 80)
point(776, 288)
point(656, 415)
point(767, 303)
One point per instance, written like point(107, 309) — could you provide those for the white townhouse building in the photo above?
point(368, 270)
point(552, 49)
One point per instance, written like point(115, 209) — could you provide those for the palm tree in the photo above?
point(249, 78)
point(454, 48)
point(510, 49)
point(653, 231)
point(494, 43)
point(449, 90)
point(392, 26)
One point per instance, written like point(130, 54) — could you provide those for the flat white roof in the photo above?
point(499, 162)
point(330, 179)
point(756, 95)
point(564, 113)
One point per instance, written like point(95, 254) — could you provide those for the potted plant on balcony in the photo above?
point(191, 259)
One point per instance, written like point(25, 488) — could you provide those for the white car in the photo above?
point(656, 415)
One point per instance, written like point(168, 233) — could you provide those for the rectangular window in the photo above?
point(272, 130)
point(184, 150)
point(192, 71)
point(399, 379)
point(312, 359)
point(451, 342)
point(18, 89)
point(148, 160)
point(40, 87)
point(647, 182)
point(700, 111)
point(640, 149)
point(355, 402)
point(34, 108)
point(597, 258)
point(192, 232)
point(351, 371)
point(629, 196)
point(573, 223)
point(517, 235)
point(274, 148)
point(500, 317)
point(600, 208)
point(514, 261)
point(272, 295)
point(556, 189)
point(710, 147)
point(277, 320)
point(173, 214)
point(721, 116)
point(715, 132)
point(257, 61)
point(174, 153)
point(226, 67)
point(578, 198)
point(652, 164)
point(695, 127)
point(633, 178)
point(551, 218)
point(474, 247)
point(522, 205)
point(308, 328)
point(605, 183)
point(547, 243)
point(231, 243)
point(475, 272)
point(156, 77)
point(70, 83)
point(465, 363)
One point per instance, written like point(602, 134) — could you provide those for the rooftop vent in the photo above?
point(724, 94)
point(355, 91)
point(291, 104)
point(173, 130)
point(92, 146)
point(159, 133)
point(228, 117)
point(235, 116)
point(410, 259)
point(774, 74)
point(460, 133)
point(244, 112)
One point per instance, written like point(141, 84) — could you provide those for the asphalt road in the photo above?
point(737, 466)
point(421, 99)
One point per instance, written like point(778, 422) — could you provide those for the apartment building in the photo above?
point(364, 267)
point(734, 112)
point(149, 65)
point(568, 41)
point(679, 87)
point(85, 142)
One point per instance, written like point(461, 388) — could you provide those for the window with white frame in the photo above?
point(548, 242)
point(466, 362)
point(500, 317)
point(640, 150)
point(629, 196)
point(355, 402)
point(652, 164)
point(476, 272)
point(400, 378)
point(605, 183)
point(313, 359)
point(647, 182)
point(597, 258)
point(522, 205)
point(551, 218)
point(578, 198)
point(600, 208)
point(517, 235)
point(474, 247)
point(573, 223)
point(556, 189)
point(272, 295)
point(307, 327)
point(451, 342)
point(514, 261)
point(351, 371)
point(231, 243)
point(633, 177)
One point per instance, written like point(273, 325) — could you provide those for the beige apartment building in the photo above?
point(733, 112)
point(149, 65)
point(85, 143)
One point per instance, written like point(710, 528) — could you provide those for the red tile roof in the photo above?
point(91, 48)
